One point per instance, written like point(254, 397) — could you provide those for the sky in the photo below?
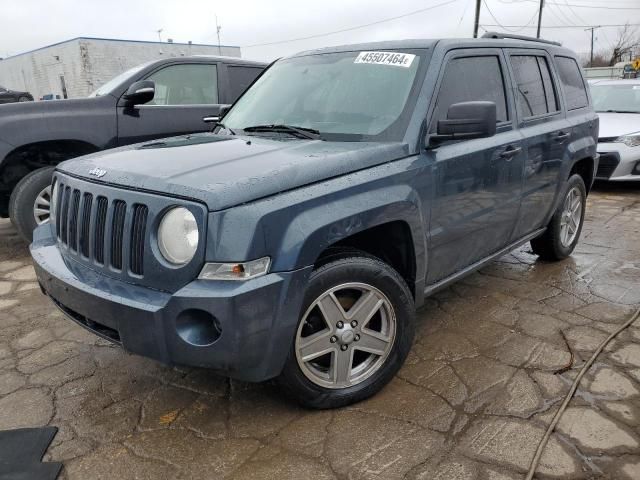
point(30, 24)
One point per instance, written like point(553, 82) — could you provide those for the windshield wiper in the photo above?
point(303, 132)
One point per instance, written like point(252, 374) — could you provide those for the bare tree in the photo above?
point(628, 40)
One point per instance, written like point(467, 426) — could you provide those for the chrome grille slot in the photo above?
point(65, 215)
point(73, 220)
point(117, 233)
point(137, 244)
point(85, 237)
point(101, 221)
point(61, 189)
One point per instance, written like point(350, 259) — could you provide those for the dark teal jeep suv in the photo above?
point(296, 240)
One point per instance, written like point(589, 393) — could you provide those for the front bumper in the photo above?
point(618, 162)
point(256, 319)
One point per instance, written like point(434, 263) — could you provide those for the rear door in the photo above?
point(186, 93)
point(478, 181)
point(238, 78)
point(546, 131)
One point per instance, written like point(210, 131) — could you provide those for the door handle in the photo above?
point(510, 152)
point(562, 136)
point(211, 119)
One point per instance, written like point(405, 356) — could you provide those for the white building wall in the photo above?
point(87, 63)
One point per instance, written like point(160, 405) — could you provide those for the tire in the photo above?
point(553, 245)
point(24, 99)
point(352, 278)
point(23, 199)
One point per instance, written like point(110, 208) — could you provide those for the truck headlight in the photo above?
point(630, 140)
point(178, 236)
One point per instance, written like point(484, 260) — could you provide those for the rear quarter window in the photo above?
point(572, 83)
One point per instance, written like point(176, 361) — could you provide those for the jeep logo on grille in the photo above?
point(97, 172)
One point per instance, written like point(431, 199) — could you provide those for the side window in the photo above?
point(533, 81)
point(240, 78)
point(572, 83)
point(547, 82)
point(186, 84)
point(487, 85)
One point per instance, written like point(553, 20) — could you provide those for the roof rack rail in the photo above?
point(519, 37)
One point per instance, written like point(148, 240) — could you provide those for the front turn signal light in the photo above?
point(235, 271)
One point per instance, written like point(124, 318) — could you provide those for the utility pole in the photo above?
point(591, 56)
point(218, 28)
point(159, 32)
point(540, 18)
point(477, 20)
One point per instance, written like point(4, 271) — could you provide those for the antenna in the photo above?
point(159, 31)
point(218, 28)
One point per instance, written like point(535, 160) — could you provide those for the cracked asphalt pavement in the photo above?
point(472, 401)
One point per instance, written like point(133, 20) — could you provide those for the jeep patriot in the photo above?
point(297, 239)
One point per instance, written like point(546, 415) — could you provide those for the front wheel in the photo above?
point(30, 202)
point(355, 332)
point(563, 232)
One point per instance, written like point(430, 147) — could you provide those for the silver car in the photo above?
point(618, 105)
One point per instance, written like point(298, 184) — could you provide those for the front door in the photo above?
point(477, 182)
point(185, 95)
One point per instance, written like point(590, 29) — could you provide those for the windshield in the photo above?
point(616, 98)
point(115, 81)
point(349, 96)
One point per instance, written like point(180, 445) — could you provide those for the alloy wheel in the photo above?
point(42, 206)
point(571, 217)
point(345, 336)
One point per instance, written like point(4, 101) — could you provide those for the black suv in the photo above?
point(157, 99)
point(341, 189)
point(11, 96)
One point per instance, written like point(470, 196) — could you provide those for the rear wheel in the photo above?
point(30, 202)
point(354, 333)
point(563, 231)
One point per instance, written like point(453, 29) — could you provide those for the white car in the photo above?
point(618, 105)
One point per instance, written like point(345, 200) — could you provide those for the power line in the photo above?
point(562, 26)
point(505, 27)
point(586, 6)
point(415, 12)
point(578, 17)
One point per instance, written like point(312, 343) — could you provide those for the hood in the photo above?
point(616, 124)
point(22, 108)
point(24, 122)
point(224, 171)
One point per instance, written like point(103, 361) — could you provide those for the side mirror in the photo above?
point(140, 92)
point(467, 120)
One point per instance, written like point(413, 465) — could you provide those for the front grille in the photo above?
point(106, 232)
point(101, 221)
point(85, 234)
point(138, 230)
point(608, 163)
point(117, 233)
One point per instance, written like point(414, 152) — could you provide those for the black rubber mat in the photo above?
point(21, 453)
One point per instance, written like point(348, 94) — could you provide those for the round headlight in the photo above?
point(178, 236)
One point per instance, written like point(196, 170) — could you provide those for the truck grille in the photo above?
point(607, 165)
point(107, 230)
